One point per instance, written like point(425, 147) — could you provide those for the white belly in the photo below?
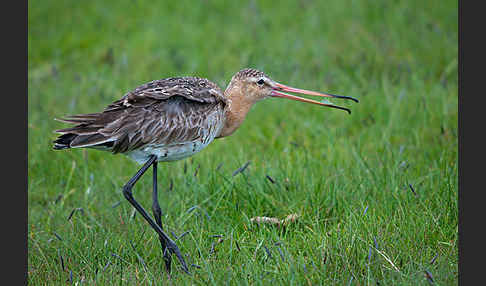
point(168, 152)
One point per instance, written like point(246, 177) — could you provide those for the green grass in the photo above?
point(347, 176)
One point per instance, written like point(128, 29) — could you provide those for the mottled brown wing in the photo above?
point(192, 88)
point(171, 122)
point(168, 111)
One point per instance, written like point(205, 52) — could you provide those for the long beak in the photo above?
point(277, 92)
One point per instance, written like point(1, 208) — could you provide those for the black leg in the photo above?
point(127, 192)
point(157, 214)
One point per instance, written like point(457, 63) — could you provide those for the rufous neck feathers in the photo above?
point(239, 104)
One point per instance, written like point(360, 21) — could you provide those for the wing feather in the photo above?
point(167, 111)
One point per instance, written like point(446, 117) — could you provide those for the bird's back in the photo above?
point(172, 118)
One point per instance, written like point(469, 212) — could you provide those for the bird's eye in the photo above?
point(260, 82)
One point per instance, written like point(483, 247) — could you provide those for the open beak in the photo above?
point(280, 89)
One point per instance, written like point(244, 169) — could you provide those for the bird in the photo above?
point(171, 119)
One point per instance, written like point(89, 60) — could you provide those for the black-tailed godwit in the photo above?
point(171, 119)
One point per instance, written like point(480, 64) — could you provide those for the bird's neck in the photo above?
point(235, 112)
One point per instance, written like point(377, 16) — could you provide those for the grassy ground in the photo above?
point(349, 177)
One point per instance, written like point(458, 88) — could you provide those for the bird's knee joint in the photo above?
point(156, 209)
point(127, 192)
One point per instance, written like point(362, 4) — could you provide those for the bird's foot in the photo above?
point(172, 248)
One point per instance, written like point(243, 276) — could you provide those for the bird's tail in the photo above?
point(84, 134)
point(64, 141)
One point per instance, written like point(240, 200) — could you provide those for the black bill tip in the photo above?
point(345, 97)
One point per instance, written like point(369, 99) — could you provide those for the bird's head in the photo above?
point(256, 85)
